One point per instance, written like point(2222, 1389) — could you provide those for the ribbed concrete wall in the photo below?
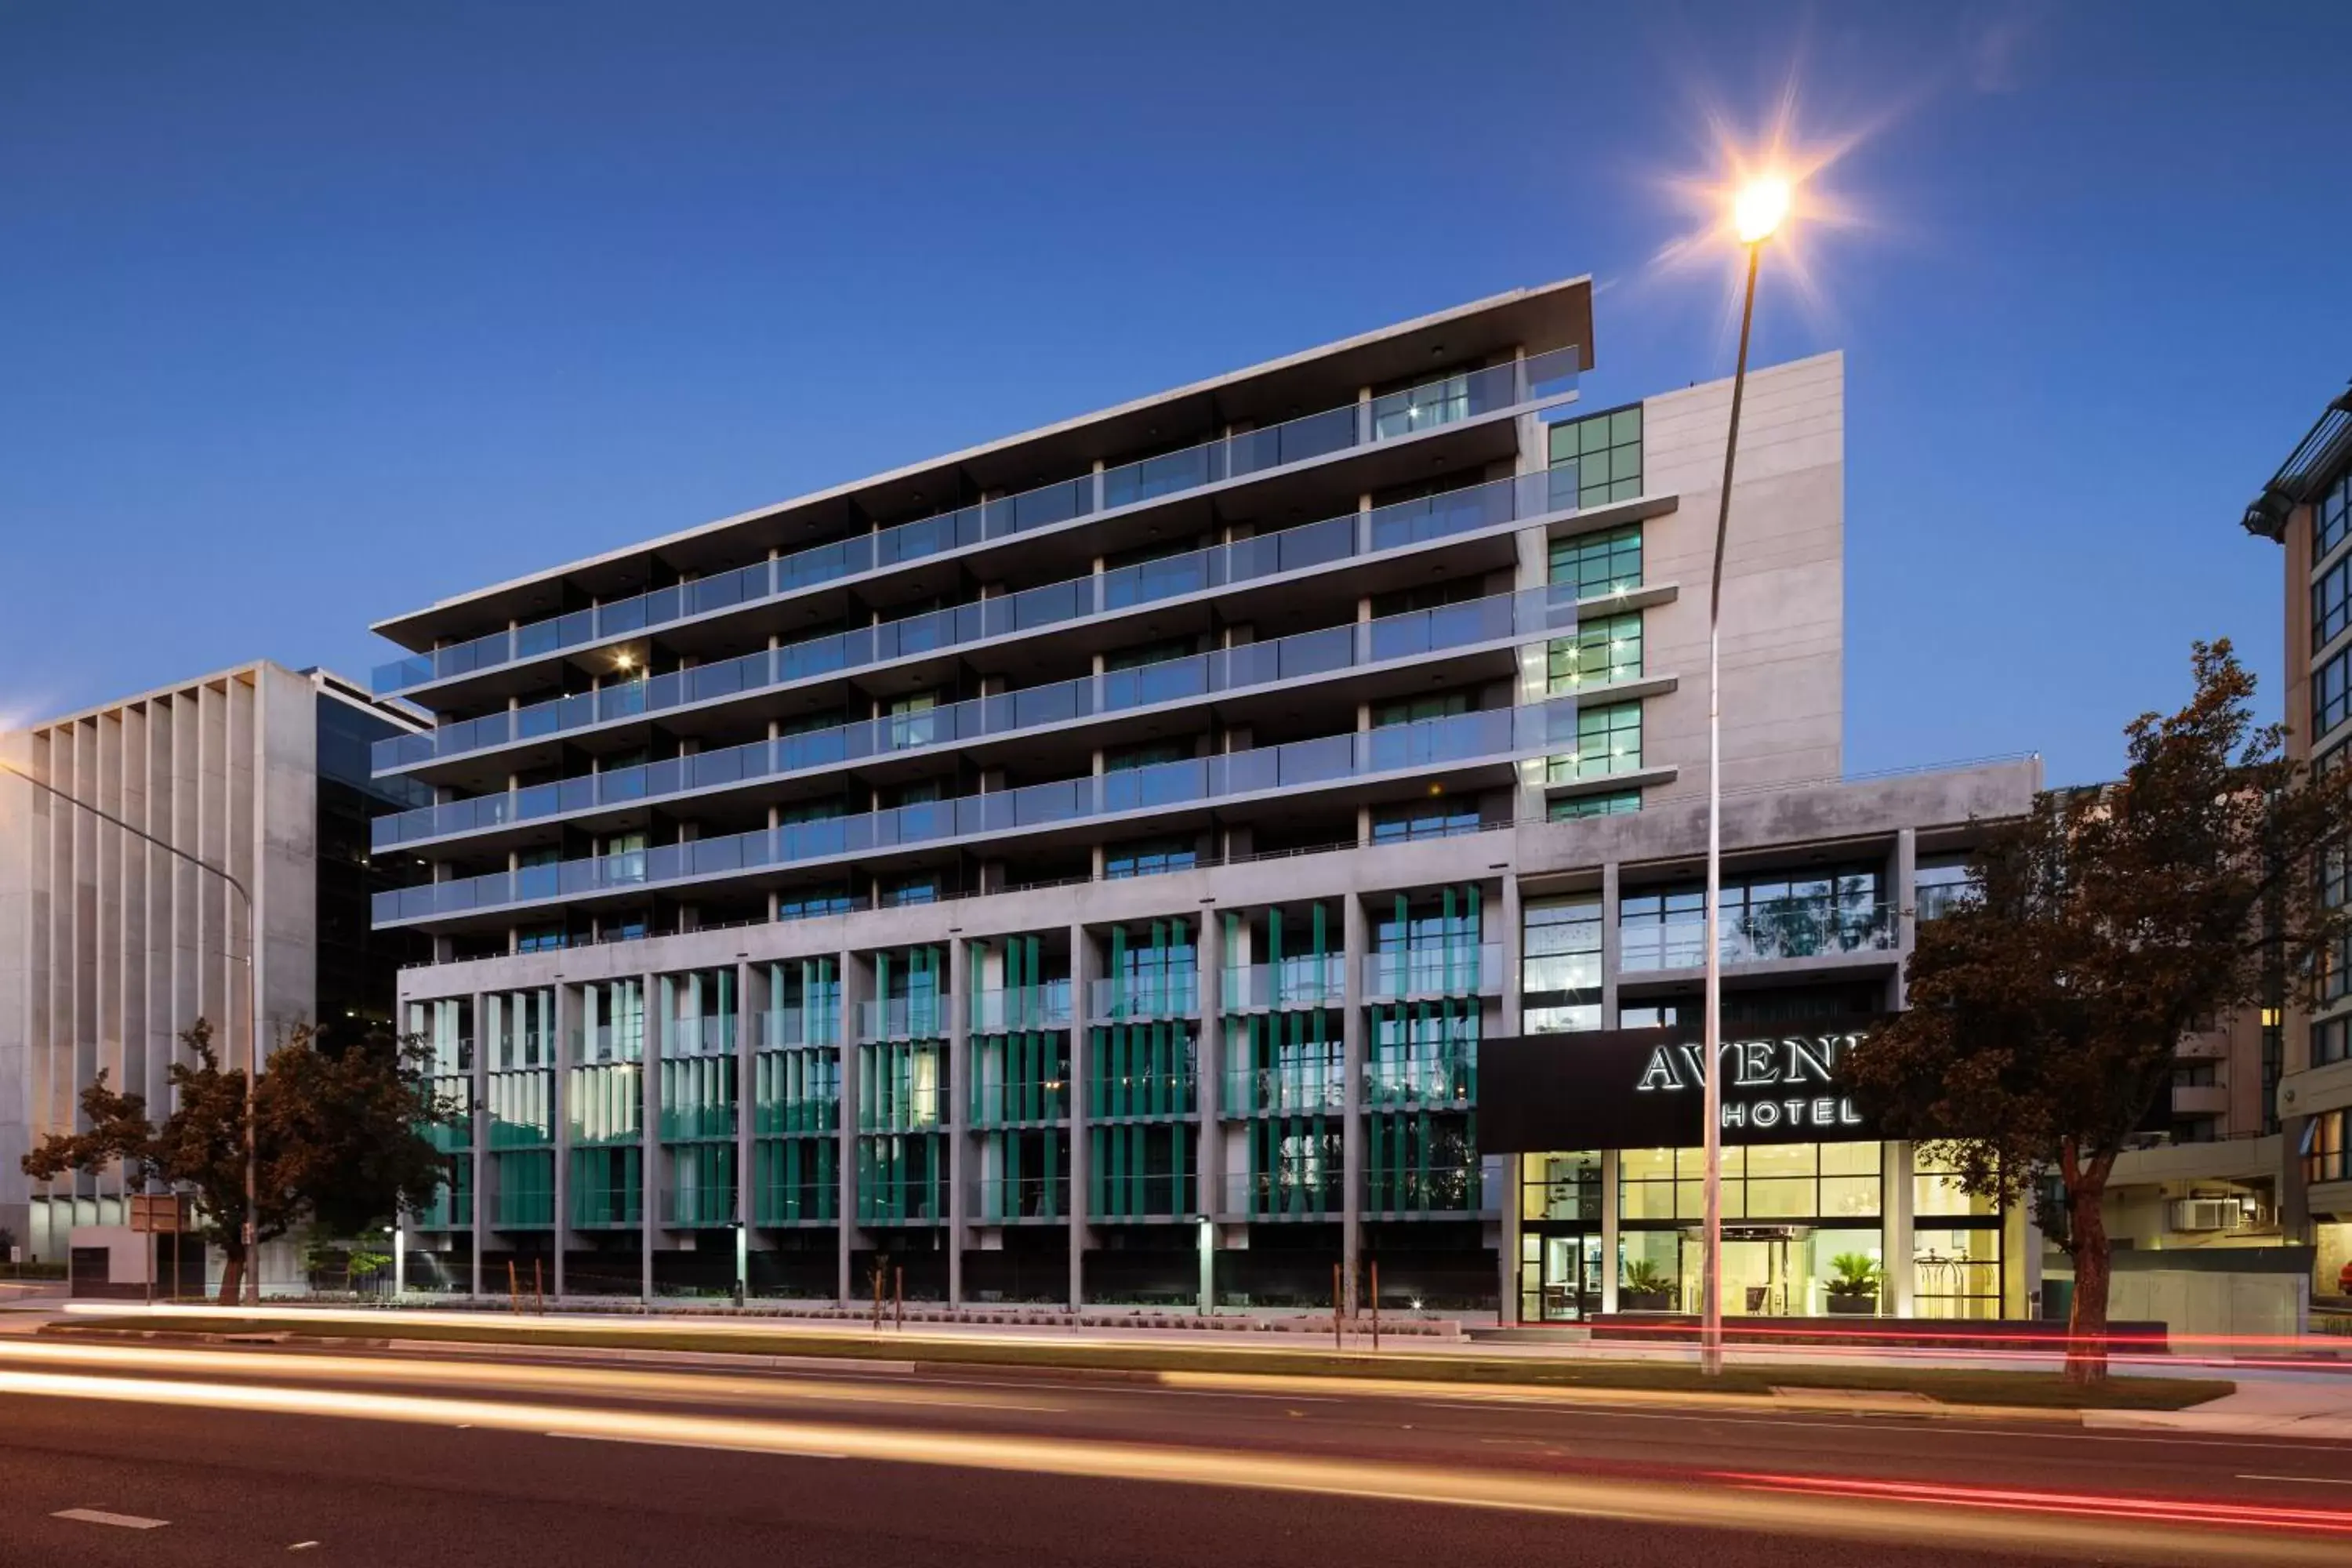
point(109, 946)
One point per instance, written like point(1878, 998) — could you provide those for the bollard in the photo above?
point(1338, 1342)
point(899, 1299)
point(538, 1293)
point(1376, 1306)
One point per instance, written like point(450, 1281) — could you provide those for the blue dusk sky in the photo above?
point(313, 313)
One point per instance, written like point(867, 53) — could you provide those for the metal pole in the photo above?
point(1710, 1348)
point(252, 1002)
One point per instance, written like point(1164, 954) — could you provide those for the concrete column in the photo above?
point(1507, 1247)
point(1894, 1206)
point(959, 1006)
point(746, 1025)
point(1083, 971)
point(1511, 1021)
point(478, 1020)
point(857, 982)
point(1208, 1069)
point(649, 1134)
point(567, 1019)
point(1610, 1265)
point(1612, 946)
point(1357, 936)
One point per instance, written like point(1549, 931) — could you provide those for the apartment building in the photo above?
point(1092, 868)
point(110, 947)
point(2306, 510)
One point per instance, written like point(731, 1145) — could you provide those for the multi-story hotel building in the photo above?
point(2307, 509)
point(110, 948)
point(1087, 867)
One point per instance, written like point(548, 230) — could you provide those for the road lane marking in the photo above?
point(2306, 1481)
point(119, 1520)
point(694, 1442)
point(302, 1546)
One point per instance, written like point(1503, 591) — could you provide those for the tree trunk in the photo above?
point(2086, 1330)
point(232, 1285)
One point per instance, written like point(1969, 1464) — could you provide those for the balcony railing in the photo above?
point(1455, 513)
point(1009, 1201)
point(1443, 1076)
point(1308, 1194)
point(1496, 735)
point(783, 1029)
point(1312, 1084)
point(710, 1036)
point(1315, 979)
point(921, 1017)
point(1172, 993)
point(1428, 1190)
point(1449, 401)
point(1437, 969)
point(1042, 1006)
point(1791, 928)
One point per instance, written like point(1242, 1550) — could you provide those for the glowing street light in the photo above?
point(1758, 208)
point(1757, 211)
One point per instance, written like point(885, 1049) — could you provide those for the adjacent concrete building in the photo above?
point(2306, 510)
point(110, 947)
point(1085, 868)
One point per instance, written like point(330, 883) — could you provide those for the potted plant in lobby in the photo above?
point(1643, 1289)
point(1853, 1284)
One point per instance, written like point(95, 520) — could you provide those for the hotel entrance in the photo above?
point(1563, 1263)
point(1764, 1268)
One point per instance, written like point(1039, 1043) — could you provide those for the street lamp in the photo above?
point(252, 1005)
point(1758, 210)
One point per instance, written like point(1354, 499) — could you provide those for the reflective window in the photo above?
point(2332, 517)
point(1610, 802)
point(2331, 604)
point(1606, 450)
point(1560, 965)
point(1607, 740)
point(2331, 692)
point(1609, 648)
point(1599, 564)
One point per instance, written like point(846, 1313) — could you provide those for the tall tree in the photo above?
point(339, 1137)
point(2046, 1012)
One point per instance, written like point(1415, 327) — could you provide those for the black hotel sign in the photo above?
point(1644, 1088)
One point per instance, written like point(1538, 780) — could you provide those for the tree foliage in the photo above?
point(339, 1138)
point(2046, 1012)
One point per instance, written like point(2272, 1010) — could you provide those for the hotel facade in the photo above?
point(1219, 849)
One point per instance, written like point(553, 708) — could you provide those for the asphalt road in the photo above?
point(348, 1458)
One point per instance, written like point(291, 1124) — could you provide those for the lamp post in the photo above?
point(1756, 212)
point(252, 1003)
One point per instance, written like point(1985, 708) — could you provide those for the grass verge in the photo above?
point(1949, 1386)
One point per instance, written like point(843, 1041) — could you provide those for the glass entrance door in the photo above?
point(1566, 1287)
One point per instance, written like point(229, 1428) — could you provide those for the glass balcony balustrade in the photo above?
point(1398, 415)
point(1435, 968)
point(1008, 1200)
point(923, 1017)
point(1315, 980)
point(782, 1028)
point(1300, 1087)
point(1045, 1005)
point(1429, 1190)
point(1173, 992)
point(1421, 1074)
point(1454, 512)
point(1783, 929)
point(1311, 1193)
point(1529, 614)
point(1495, 735)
